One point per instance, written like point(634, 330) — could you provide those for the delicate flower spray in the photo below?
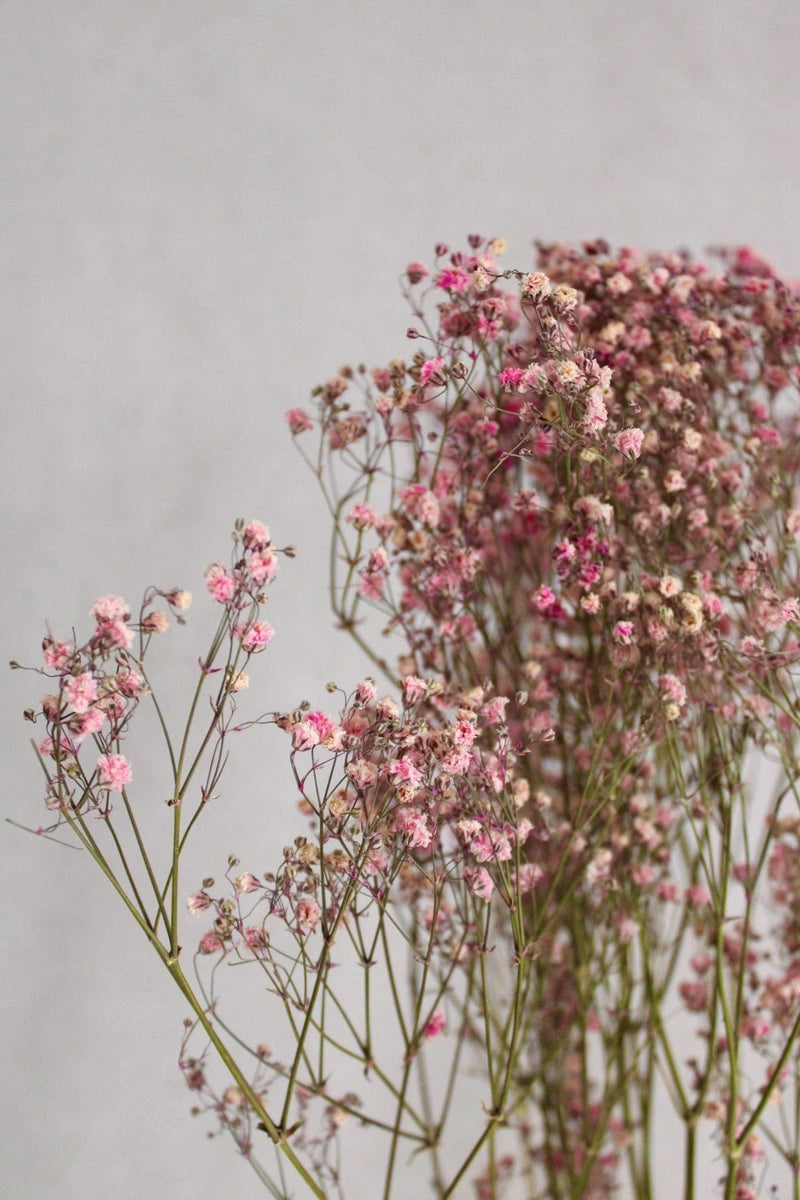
point(530, 859)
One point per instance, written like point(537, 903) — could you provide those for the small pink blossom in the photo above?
point(543, 598)
point(404, 772)
point(494, 711)
point(156, 622)
point(435, 1024)
point(114, 772)
point(110, 608)
point(90, 723)
point(416, 271)
point(308, 914)
point(210, 943)
point(299, 421)
point(479, 883)
point(433, 371)
point(694, 994)
point(129, 683)
point(362, 773)
point(413, 689)
point(619, 284)
point(365, 692)
point(415, 825)
point(179, 599)
point(697, 895)
point(371, 586)
point(246, 883)
point(113, 635)
point(80, 691)
point(262, 566)
point(57, 654)
point(629, 442)
point(255, 636)
point(595, 414)
point(198, 902)
point(672, 689)
point(362, 517)
point(674, 481)
point(386, 709)
point(238, 681)
point(255, 536)
point(220, 584)
point(536, 286)
point(452, 279)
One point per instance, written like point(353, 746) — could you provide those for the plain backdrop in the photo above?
point(206, 208)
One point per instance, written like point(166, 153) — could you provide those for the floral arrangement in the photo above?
point(546, 882)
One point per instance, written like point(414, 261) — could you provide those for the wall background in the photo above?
point(206, 208)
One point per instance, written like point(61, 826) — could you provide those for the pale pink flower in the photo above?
point(619, 284)
point(246, 883)
point(262, 566)
point(255, 636)
point(403, 771)
point(386, 709)
point(156, 622)
point(629, 442)
point(308, 914)
point(237, 681)
point(669, 586)
point(564, 297)
point(299, 421)
point(365, 692)
point(129, 683)
point(113, 635)
point(413, 689)
point(220, 584)
point(415, 825)
point(697, 895)
point(179, 599)
point(627, 929)
point(210, 943)
point(91, 722)
point(304, 736)
point(198, 902)
point(595, 414)
point(362, 517)
point(494, 711)
point(672, 689)
point(57, 654)
point(479, 883)
point(362, 773)
point(114, 772)
point(80, 691)
point(535, 286)
point(674, 481)
point(255, 536)
point(110, 608)
point(371, 586)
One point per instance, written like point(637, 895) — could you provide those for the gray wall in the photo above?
point(206, 208)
